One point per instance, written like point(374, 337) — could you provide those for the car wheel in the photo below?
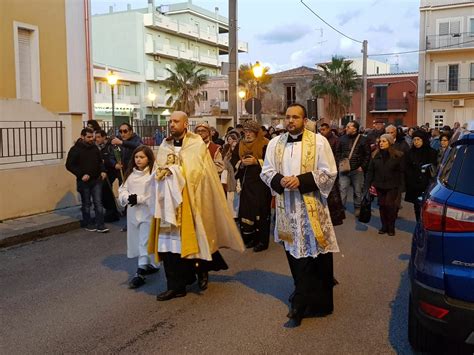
point(420, 338)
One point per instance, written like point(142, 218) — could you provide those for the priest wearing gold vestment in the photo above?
point(300, 169)
point(187, 240)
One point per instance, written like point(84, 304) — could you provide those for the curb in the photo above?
point(40, 233)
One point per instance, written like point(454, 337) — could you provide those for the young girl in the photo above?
point(136, 191)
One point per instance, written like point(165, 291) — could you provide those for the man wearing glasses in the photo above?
point(127, 142)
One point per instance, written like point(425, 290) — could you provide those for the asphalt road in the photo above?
point(68, 294)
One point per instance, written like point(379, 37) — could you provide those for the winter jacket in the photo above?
point(360, 156)
point(416, 180)
point(84, 159)
point(127, 148)
point(387, 172)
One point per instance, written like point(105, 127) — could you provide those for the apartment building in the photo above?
point(45, 93)
point(446, 64)
point(148, 42)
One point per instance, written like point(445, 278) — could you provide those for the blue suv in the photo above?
point(441, 266)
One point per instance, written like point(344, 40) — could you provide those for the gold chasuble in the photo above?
point(315, 208)
point(206, 223)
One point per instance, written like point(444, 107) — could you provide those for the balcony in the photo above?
point(388, 105)
point(164, 23)
point(119, 99)
point(452, 41)
point(224, 41)
point(155, 74)
point(449, 86)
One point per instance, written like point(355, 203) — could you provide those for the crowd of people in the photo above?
point(201, 193)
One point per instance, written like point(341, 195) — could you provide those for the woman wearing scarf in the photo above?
point(230, 154)
point(416, 181)
point(255, 196)
point(387, 176)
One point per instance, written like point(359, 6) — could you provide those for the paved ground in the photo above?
point(68, 294)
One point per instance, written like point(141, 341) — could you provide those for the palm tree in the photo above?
point(337, 81)
point(248, 83)
point(183, 85)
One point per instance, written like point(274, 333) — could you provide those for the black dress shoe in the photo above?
point(136, 282)
point(250, 244)
point(295, 316)
point(260, 247)
point(150, 269)
point(170, 294)
point(203, 280)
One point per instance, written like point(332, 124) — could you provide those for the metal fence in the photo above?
point(151, 134)
point(30, 141)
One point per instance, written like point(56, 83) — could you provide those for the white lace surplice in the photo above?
point(304, 241)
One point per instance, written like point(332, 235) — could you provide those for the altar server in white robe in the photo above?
point(300, 169)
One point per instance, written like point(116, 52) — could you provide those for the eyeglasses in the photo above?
point(123, 130)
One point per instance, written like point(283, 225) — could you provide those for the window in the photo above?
point(381, 97)
point(472, 72)
point(453, 77)
point(223, 95)
point(290, 94)
point(204, 96)
point(471, 26)
point(438, 118)
point(27, 65)
point(449, 32)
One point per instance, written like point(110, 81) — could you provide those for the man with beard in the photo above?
point(255, 196)
point(355, 143)
point(300, 169)
point(192, 219)
point(85, 162)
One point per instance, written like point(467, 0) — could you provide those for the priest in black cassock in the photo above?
point(300, 169)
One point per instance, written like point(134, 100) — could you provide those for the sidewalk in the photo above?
point(26, 229)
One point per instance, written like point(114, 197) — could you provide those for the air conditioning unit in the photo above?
point(458, 103)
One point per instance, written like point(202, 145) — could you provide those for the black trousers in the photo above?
point(314, 282)
point(182, 272)
point(389, 201)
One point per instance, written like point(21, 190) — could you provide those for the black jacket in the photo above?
point(108, 158)
point(386, 172)
point(416, 180)
point(84, 159)
point(127, 148)
point(360, 156)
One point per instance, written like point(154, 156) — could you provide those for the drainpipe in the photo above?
point(88, 59)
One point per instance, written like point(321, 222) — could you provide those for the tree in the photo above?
point(183, 85)
point(337, 81)
point(248, 82)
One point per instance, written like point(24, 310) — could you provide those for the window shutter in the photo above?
point(443, 28)
point(24, 56)
point(442, 78)
point(455, 27)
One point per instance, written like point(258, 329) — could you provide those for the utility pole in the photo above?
point(363, 104)
point(233, 60)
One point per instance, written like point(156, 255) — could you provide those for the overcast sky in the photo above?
point(284, 34)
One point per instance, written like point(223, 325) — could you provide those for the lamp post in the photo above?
point(112, 80)
point(242, 96)
point(257, 71)
point(152, 97)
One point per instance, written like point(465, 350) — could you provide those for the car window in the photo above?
point(466, 171)
point(446, 169)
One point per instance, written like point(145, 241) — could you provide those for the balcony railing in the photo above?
point(380, 105)
point(451, 41)
point(165, 23)
point(30, 141)
point(449, 86)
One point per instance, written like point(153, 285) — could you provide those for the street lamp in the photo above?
point(152, 97)
point(112, 80)
point(257, 71)
point(242, 96)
